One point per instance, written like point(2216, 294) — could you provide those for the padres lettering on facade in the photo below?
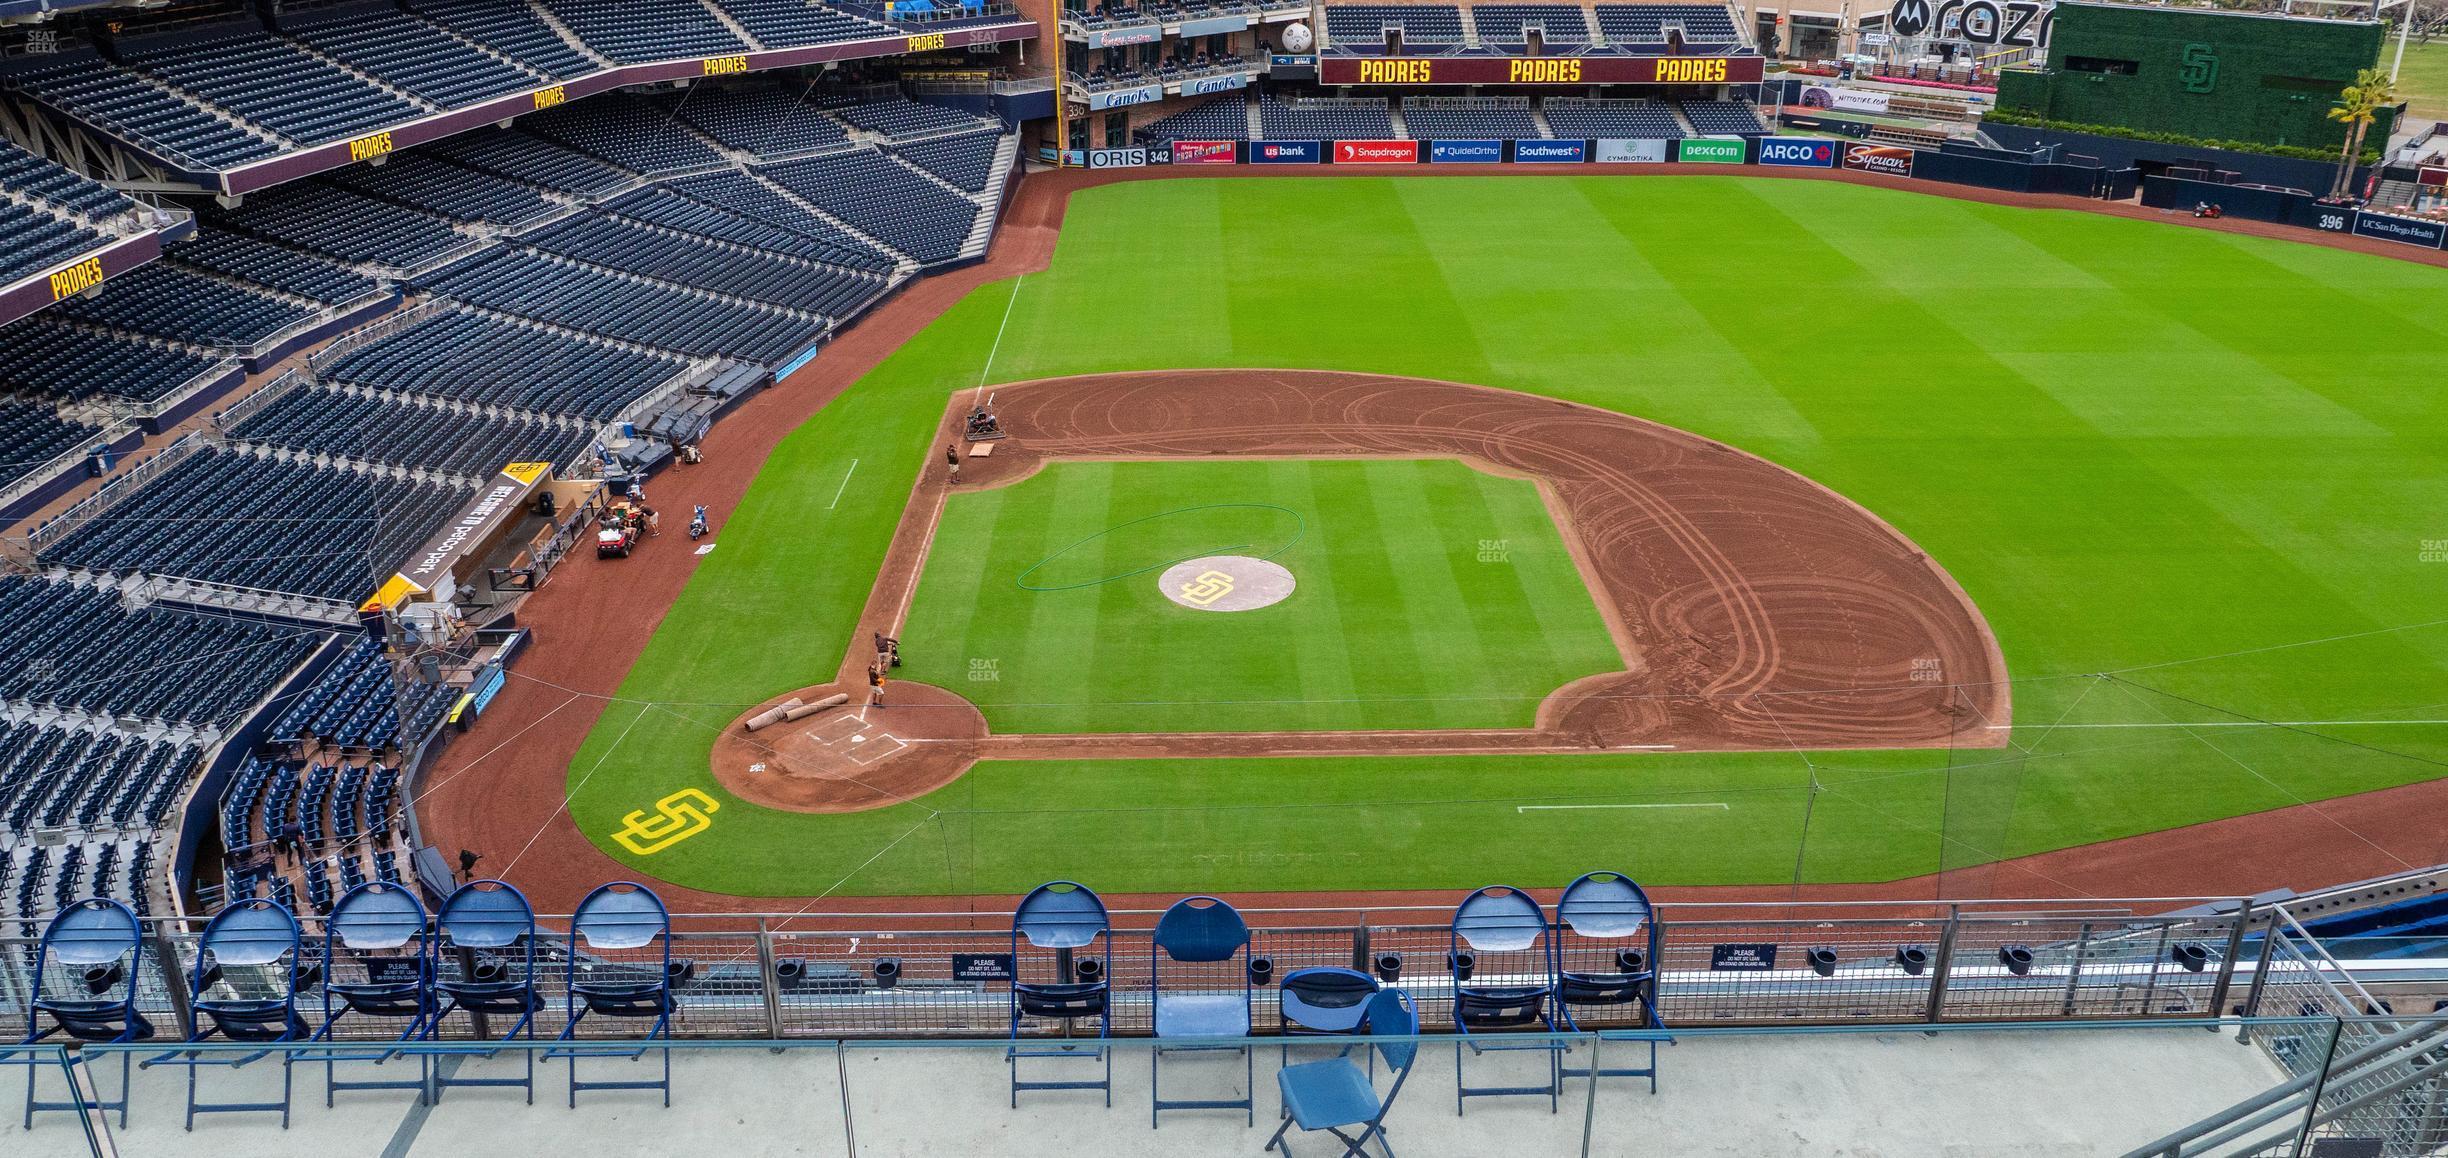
point(1697, 71)
point(551, 97)
point(725, 65)
point(1544, 70)
point(1396, 72)
point(370, 146)
point(76, 279)
point(1539, 70)
point(925, 42)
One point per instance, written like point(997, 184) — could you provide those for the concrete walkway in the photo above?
point(1996, 1094)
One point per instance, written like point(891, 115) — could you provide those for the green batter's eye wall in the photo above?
point(2213, 76)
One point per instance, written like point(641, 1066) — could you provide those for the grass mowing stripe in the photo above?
point(2124, 511)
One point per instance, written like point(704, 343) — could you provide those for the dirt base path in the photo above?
point(1755, 609)
point(500, 789)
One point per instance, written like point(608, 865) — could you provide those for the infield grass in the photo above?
point(1430, 595)
point(2213, 467)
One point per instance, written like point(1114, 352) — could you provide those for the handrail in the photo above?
point(2287, 1098)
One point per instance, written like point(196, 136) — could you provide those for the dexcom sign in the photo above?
point(1799, 152)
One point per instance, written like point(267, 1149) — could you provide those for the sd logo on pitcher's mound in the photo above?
point(1226, 583)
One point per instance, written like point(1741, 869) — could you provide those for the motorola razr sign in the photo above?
point(1996, 23)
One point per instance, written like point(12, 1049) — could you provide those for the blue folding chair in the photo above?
point(244, 986)
point(485, 965)
point(1323, 1000)
point(624, 970)
point(1503, 976)
point(1332, 1094)
point(1210, 942)
point(378, 963)
point(1607, 940)
point(1063, 917)
point(84, 984)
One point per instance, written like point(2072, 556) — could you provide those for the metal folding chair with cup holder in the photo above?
point(377, 963)
point(1323, 1001)
point(485, 966)
point(1332, 1094)
point(1607, 940)
point(1207, 997)
point(244, 986)
point(620, 966)
point(1503, 976)
point(1062, 918)
point(84, 986)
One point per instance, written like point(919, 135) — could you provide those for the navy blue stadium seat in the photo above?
point(35, 435)
point(59, 640)
point(1225, 118)
point(229, 516)
point(554, 289)
point(634, 31)
point(883, 199)
point(288, 270)
point(166, 301)
point(434, 186)
point(516, 155)
point(1621, 119)
point(1719, 118)
point(269, 81)
point(1324, 121)
point(410, 53)
point(485, 359)
point(405, 430)
point(512, 30)
point(146, 112)
point(349, 226)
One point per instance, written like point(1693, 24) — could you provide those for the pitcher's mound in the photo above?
point(1226, 583)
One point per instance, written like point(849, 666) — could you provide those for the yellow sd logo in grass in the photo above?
point(679, 816)
point(1207, 588)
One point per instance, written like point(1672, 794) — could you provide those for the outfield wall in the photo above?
point(1956, 163)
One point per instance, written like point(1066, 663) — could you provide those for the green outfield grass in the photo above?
point(2424, 80)
point(1402, 618)
point(2214, 464)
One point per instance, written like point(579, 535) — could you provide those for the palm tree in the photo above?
point(2358, 106)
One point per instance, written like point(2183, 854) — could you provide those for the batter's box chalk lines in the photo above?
point(858, 754)
point(1719, 804)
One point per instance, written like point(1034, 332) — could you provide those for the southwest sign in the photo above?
point(1425, 70)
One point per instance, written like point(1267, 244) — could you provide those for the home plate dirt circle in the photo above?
point(853, 757)
point(1226, 583)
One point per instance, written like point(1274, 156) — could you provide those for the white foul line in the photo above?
point(837, 491)
point(988, 368)
point(2239, 724)
point(1571, 807)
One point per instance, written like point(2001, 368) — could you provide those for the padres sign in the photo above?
point(1424, 70)
point(676, 818)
